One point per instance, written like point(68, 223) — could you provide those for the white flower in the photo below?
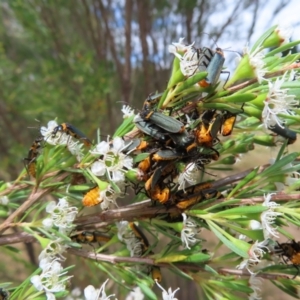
point(278, 101)
point(54, 249)
point(254, 225)
point(256, 253)
point(268, 203)
point(52, 279)
point(177, 47)
point(257, 63)
point(102, 148)
point(127, 111)
point(91, 293)
point(189, 175)
point(136, 294)
point(167, 295)
point(108, 197)
point(284, 33)
point(255, 284)
point(269, 216)
point(4, 200)
point(75, 147)
point(60, 138)
point(126, 235)
point(62, 215)
point(188, 55)
point(190, 61)
point(122, 229)
point(98, 168)
point(113, 160)
point(190, 229)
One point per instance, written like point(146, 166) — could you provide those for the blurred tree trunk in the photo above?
point(144, 30)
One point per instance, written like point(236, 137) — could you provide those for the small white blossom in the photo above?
point(284, 33)
point(60, 138)
point(62, 215)
point(126, 235)
point(189, 62)
point(278, 101)
point(177, 47)
point(255, 284)
point(4, 200)
point(127, 111)
point(254, 225)
point(113, 160)
point(257, 63)
point(256, 253)
point(269, 216)
point(167, 295)
point(136, 294)
point(122, 229)
point(108, 197)
point(189, 175)
point(51, 280)
point(91, 293)
point(268, 203)
point(54, 249)
point(98, 168)
point(190, 229)
point(102, 148)
point(75, 147)
point(188, 56)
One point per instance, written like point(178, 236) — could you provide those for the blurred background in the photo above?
point(79, 61)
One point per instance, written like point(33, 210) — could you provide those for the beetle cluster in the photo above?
point(171, 144)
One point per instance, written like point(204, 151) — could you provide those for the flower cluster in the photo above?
point(112, 161)
point(53, 278)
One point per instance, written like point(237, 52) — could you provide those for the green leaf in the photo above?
point(190, 82)
point(287, 287)
point(125, 127)
point(242, 210)
point(147, 291)
point(239, 247)
point(233, 285)
point(180, 272)
point(282, 48)
point(197, 258)
point(243, 182)
point(238, 98)
point(262, 38)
